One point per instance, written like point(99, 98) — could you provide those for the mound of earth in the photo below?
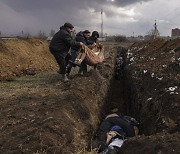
point(24, 57)
point(152, 87)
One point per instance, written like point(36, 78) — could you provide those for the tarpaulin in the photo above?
point(92, 54)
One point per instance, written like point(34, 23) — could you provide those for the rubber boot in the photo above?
point(64, 78)
point(68, 69)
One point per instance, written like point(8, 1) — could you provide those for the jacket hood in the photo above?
point(62, 27)
point(80, 34)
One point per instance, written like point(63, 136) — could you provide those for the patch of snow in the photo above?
point(149, 99)
point(175, 93)
point(152, 58)
point(145, 71)
point(171, 89)
point(140, 49)
point(172, 51)
point(132, 59)
point(129, 54)
point(173, 59)
point(164, 66)
point(160, 78)
point(152, 75)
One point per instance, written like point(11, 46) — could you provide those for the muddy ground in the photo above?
point(40, 114)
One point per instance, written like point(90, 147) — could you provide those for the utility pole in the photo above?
point(155, 32)
point(101, 23)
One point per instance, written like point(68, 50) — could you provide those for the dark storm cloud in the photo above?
point(60, 4)
point(35, 15)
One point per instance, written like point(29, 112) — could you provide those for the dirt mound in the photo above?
point(152, 84)
point(155, 144)
point(24, 57)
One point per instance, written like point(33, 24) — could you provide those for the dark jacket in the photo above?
point(92, 40)
point(62, 41)
point(108, 123)
point(80, 38)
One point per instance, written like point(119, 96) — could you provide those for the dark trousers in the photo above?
point(73, 55)
point(62, 61)
point(83, 67)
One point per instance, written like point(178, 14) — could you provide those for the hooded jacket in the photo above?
point(125, 122)
point(80, 38)
point(62, 41)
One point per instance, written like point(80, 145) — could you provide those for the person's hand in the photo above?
point(81, 44)
point(94, 44)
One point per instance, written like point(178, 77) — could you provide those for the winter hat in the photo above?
point(86, 31)
point(118, 129)
point(69, 25)
point(95, 33)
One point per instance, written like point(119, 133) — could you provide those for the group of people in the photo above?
point(116, 127)
point(64, 48)
point(113, 131)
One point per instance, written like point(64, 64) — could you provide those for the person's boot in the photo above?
point(68, 70)
point(80, 72)
point(59, 71)
point(65, 78)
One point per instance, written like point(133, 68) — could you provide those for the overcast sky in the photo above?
point(121, 17)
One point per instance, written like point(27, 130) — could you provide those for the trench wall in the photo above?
point(152, 95)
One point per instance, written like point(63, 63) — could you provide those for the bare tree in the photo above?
point(27, 35)
point(42, 35)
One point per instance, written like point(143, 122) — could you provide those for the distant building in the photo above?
point(175, 33)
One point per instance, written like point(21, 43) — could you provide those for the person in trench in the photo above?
point(113, 131)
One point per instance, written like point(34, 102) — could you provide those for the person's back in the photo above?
point(60, 45)
point(59, 42)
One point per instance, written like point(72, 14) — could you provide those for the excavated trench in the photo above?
point(158, 131)
point(119, 97)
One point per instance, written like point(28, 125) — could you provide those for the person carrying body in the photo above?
point(80, 37)
point(60, 45)
point(93, 39)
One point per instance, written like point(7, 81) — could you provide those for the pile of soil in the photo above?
point(152, 88)
point(40, 114)
point(28, 56)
